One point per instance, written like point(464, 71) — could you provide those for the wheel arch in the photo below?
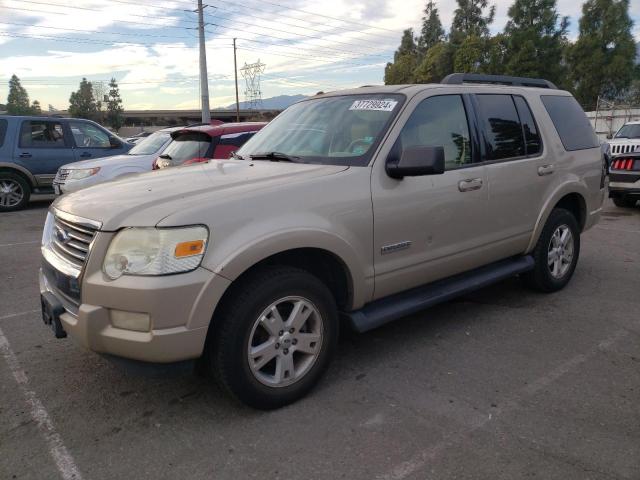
point(23, 172)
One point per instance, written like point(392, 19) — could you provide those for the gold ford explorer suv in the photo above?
point(358, 206)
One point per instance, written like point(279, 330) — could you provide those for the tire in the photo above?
point(625, 202)
point(14, 192)
point(547, 277)
point(247, 321)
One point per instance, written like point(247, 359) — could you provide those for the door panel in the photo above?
point(430, 227)
point(43, 147)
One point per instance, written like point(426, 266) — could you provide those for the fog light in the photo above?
point(140, 322)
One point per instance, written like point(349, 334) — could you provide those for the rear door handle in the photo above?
point(545, 170)
point(470, 184)
point(25, 155)
point(85, 155)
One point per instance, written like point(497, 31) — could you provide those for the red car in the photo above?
point(206, 142)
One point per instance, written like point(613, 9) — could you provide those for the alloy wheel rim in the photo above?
point(285, 341)
point(11, 193)
point(560, 251)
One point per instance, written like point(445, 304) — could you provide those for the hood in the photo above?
point(144, 200)
point(115, 160)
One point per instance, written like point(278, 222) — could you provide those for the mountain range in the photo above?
point(273, 103)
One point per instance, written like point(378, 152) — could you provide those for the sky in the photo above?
point(150, 46)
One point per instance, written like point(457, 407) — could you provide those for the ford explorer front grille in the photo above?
point(625, 148)
point(71, 241)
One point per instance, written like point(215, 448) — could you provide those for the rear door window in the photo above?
point(3, 131)
point(533, 143)
point(502, 130)
point(572, 125)
point(41, 134)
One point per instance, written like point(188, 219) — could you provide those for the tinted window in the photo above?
point(440, 121)
point(571, 123)
point(3, 131)
point(235, 139)
point(187, 146)
point(42, 133)
point(502, 130)
point(88, 135)
point(532, 140)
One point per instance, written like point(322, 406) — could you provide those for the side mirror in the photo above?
point(114, 142)
point(417, 161)
point(609, 136)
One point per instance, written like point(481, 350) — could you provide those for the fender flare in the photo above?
point(560, 192)
point(22, 170)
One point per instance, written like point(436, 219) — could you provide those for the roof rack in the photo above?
point(460, 78)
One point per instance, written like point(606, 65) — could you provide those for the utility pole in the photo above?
point(204, 79)
point(235, 71)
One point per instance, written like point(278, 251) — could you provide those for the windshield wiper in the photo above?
point(166, 156)
point(274, 157)
point(236, 156)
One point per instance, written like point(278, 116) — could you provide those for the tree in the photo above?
point(114, 106)
point(602, 59)
point(469, 19)
point(82, 103)
point(405, 60)
point(437, 64)
point(432, 31)
point(470, 56)
point(35, 108)
point(536, 40)
point(18, 99)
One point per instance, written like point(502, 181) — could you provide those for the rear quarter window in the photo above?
point(571, 123)
point(3, 130)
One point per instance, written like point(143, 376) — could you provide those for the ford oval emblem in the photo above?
point(61, 235)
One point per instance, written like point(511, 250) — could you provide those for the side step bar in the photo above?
point(396, 306)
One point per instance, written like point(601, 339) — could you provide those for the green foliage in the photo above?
point(536, 40)
point(436, 64)
point(602, 59)
point(114, 106)
point(432, 31)
point(470, 19)
point(470, 56)
point(82, 104)
point(18, 98)
point(405, 61)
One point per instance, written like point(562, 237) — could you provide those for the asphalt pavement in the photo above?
point(504, 383)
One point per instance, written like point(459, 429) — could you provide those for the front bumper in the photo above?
point(179, 308)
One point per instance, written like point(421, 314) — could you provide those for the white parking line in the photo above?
point(420, 460)
point(19, 243)
point(59, 453)
point(12, 315)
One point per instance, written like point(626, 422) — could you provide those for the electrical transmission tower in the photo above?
point(251, 74)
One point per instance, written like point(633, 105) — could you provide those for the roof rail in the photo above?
point(460, 78)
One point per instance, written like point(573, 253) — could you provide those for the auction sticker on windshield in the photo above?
point(378, 105)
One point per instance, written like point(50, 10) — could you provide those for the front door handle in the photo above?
point(25, 155)
point(85, 155)
point(470, 184)
point(545, 170)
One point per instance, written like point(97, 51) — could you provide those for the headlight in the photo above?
point(80, 173)
point(155, 251)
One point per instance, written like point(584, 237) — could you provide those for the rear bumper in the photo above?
point(179, 309)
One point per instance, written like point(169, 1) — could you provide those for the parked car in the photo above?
point(358, 206)
point(626, 140)
point(78, 175)
point(137, 137)
point(206, 142)
point(33, 148)
point(624, 179)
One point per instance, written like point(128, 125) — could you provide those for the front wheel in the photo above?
point(14, 192)
point(556, 253)
point(274, 337)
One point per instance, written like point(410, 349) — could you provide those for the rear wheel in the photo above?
point(625, 202)
point(556, 253)
point(274, 337)
point(14, 192)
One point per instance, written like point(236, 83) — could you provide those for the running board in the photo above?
point(396, 306)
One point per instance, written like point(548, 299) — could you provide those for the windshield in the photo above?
point(150, 145)
point(187, 146)
point(342, 130)
point(629, 131)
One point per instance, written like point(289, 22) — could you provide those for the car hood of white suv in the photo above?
point(115, 161)
point(144, 200)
